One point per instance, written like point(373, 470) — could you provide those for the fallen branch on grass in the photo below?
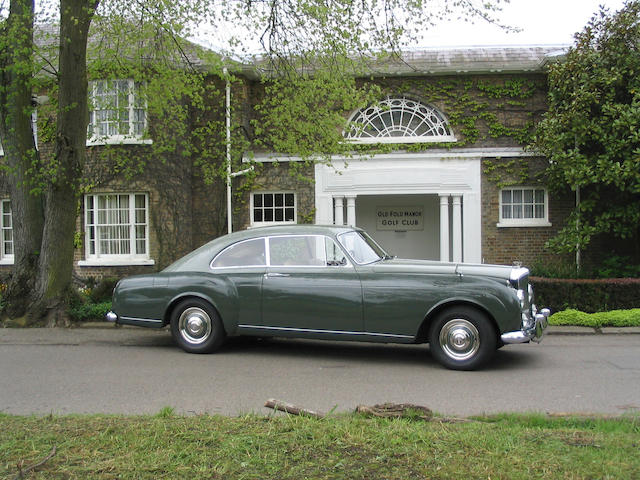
point(396, 410)
point(23, 471)
point(406, 410)
point(292, 409)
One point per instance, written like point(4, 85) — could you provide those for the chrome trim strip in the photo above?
point(148, 320)
point(311, 330)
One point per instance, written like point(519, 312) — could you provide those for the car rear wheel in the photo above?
point(462, 338)
point(196, 327)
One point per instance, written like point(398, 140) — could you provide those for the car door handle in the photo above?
point(275, 274)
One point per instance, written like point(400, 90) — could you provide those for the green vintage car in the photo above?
point(332, 283)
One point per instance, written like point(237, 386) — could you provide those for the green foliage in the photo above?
point(557, 267)
point(86, 312)
point(166, 412)
point(103, 290)
point(304, 114)
point(617, 266)
point(93, 301)
point(590, 133)
point(613, 266)
point(614, 318)
point(506, 172)
point(587, 295)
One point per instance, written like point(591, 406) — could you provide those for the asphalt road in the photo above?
point(120, 370)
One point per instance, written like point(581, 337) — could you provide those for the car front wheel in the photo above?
point(462, 338)
point(196, 327)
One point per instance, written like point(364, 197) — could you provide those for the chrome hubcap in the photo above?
point(459, 339)
point(195, 325)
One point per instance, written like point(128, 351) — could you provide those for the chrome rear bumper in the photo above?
point(531, 333)
point(111, 317)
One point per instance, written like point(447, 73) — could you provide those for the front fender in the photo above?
point(498, 302)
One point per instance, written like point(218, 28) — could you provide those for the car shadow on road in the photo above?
point(328, 350)
point(505, 359)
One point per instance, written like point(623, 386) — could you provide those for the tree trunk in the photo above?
point(55, 264)
point(20, 153)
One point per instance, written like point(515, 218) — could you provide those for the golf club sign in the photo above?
point(400, 218)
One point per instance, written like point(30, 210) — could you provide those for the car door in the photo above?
point(243, 264)
point(309, 285)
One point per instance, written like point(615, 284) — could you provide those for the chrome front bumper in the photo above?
point(533, 327)
point(111, 317)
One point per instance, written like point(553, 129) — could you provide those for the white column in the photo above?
point(457, 228)
point(338, 217)
point(444, 228)
point(351, 211)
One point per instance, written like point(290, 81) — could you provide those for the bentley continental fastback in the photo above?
point(332, 283)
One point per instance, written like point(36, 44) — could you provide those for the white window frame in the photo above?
point(121, 138)
point(98, 258)
point(6, 258)
point(524, 222)
point(254, 223)
point(408, 109)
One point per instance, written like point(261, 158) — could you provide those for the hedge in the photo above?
point(587, 295)
point(615, 318)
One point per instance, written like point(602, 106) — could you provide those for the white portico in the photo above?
point(418, 205)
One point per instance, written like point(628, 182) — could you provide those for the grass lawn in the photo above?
point(339, 447)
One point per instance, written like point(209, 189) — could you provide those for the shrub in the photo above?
point(615, 318)
point(617, 266)
point(103, 290)
point(613, 266)
point(84, 312)
point(587, 295)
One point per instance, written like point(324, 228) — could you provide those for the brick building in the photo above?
point(454, 181)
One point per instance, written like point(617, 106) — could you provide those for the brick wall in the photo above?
point(505, 245)
point(277, 177)
point(464, 97)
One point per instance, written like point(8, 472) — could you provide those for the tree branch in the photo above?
point(23, 471)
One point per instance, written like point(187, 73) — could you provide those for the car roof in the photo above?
point(218, 244)
point(289, 229)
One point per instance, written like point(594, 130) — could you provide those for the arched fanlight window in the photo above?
point(399, 120)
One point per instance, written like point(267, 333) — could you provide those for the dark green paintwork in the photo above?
point(389, 300)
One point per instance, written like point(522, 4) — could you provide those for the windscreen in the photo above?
point(361, 247)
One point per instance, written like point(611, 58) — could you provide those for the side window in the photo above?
point(242, 254)
point(299, 250)
point(335, 255)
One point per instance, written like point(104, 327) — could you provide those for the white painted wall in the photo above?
point(423, 243)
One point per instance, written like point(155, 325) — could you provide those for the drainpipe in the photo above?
point(227, 113)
